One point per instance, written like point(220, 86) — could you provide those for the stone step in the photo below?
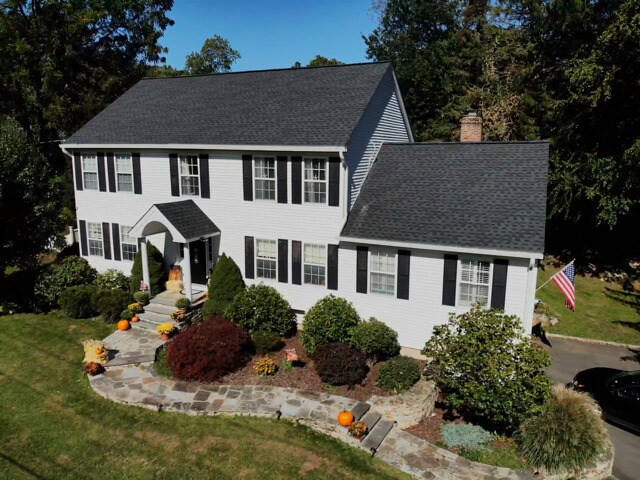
point(370, 419)
point(160, 308)
point(154, 317)
point(359, 410)
point(144, 325)
point(376, 436)
point(168, 301)
point(130, 360)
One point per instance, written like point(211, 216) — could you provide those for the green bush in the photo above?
point(141, 297)
point(376, 340)
point(488, 368)
point(126, 314)
point(399, 374)
point(112, 279)
point(69, 272)
point(266, 342)
point(567, 434)
point(109, 303)
point(330, 320)
point(77, 302)
point(340, 364)
point(464, 435)
point(262, 308)
point(158, 274)
point(183, 302)
point(225, 283)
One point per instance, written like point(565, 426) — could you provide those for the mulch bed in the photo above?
point(303, 376)
point(429, 429)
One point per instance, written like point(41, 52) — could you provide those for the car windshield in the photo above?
point(625, 379)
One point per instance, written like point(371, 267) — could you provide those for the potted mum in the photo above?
point(165, 330)
point(358, 429)
point(183, 304)
point(177, 316)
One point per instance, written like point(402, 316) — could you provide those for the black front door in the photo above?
point(198, 262)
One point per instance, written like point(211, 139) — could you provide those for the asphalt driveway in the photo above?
point(570, 357)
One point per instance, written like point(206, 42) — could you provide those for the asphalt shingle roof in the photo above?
point(483, 195)
point(187, 218)
point(306, 106)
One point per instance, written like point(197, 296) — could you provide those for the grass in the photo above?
point(603, 310)
point(161, 365)
point(506, 456)
point(53, 426)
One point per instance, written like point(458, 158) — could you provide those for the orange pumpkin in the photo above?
point(207, 293)
point(135, 319)
point(124, 325)
point(345, 418)
point(99, 351)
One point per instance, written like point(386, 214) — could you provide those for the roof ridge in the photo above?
point(267, 70)
point(488, 142)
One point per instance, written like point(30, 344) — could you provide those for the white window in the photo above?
point(265, 178)
point(90, 171)
point(95, 239)
point(128, 243)
point(315, 264)
point(266, 257)
point(124, 172)
point(474, 282)
point(189, 175)
point(315, 180)
point(383, 272)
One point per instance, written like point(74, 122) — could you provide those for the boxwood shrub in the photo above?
point(78, 301)
point(330, 320)
point(376, 340)
point(340, 364)
point(110, 303)
point(262, 308)
point(399, 374)
point(265, 342)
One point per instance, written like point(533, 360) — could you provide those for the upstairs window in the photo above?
point(383, 272)
point(315, 264)
point(95, 239)
point(266, 258)
point(315, 180)
point(189, 175)
point(265, 178)
point(90, 171)
point(128, 243)
point(474, 282)
point(124, 172)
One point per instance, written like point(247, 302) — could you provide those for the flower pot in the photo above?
point(359, 437)
point(165, 336)
point(182, 310)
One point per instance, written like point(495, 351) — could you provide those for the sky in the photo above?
point(272, 33)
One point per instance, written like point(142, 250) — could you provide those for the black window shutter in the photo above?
point(106, 240)
point(334, 181)
point(296, 262)
point(205, 191)
point(361, 275)
point(77, 163)
point(115, 233)
point(499, 284)
point(173, 170)
point(296, 180)
point(83, 238)
point(449, 280)
point(248, 257)
point(332, 268)
point(404, 261)
point(111, 172)
point(282, 180)
point(247, 177)
point(283, 261)
point(102, 178)
point(137, 178)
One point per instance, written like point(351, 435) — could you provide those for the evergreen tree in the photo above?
point(225, 283)
point(158, 274)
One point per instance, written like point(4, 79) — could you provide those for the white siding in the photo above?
point(381, 122)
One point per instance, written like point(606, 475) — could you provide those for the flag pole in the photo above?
point(555, 274)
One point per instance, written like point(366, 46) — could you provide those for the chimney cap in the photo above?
point(472, 113)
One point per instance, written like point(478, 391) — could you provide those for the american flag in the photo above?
point(565, 279)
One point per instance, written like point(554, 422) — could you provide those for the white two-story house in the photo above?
point(311, 181)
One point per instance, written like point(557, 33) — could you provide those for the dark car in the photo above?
point(617, 392)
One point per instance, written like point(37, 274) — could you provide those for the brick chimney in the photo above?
point(471, 128)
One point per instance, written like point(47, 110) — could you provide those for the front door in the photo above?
point(198, 253)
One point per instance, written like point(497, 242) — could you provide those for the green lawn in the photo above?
point(53, 426)
point(603, 310)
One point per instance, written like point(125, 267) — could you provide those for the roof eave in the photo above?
point(179, 146)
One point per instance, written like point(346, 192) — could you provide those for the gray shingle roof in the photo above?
point(187, 218)
point(306, 106)
point(483, 195)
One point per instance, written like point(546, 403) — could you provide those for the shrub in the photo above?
point(568, 434)
point(183, 303)
point(135, 307)
point(488, 368)
point(112, 279)
point(340, 364)
point(157, 271)
point(399, 374)
point(376, 340)
point(52, 281)
point(330, 320)
point(208, 351)
point(141, 297)
point(266, 342)
point(265, 366)
point(77, 302)
point(464, 435)
point(262, 308)
point(126, 314)
point(225, 283)
point(110, 303)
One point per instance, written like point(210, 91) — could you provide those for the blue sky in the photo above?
point(272, 33)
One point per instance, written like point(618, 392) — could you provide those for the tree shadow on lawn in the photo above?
point(625, 298)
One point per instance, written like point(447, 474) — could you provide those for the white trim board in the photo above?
point(443, 248)
point(180, 146)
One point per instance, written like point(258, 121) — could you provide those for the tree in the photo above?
point(225, 283)
point(215, 56)
point(30, 209)
point(319, 61)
